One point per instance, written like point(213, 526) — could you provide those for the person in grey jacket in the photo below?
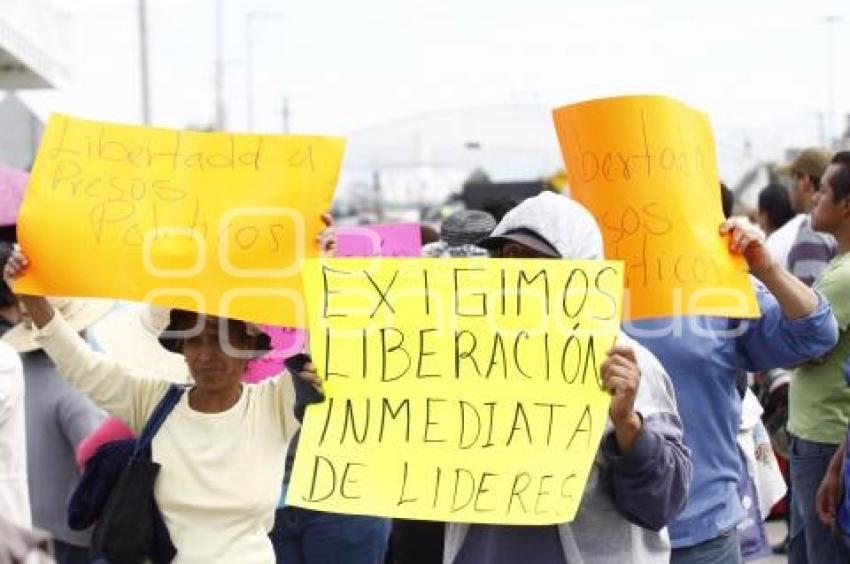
point(640, 478)
point(58, 417)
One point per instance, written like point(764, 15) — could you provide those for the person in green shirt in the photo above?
point(819, 408)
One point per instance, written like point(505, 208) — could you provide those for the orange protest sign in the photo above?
point(210, 222)
point(645, 167)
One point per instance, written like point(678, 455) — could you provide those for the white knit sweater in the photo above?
point(221, 472)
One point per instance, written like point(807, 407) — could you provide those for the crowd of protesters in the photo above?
point(686, 471)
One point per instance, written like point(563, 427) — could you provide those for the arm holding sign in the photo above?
point(796, 322)
point(621, 377)
point(109, 384)
point(305, 379)
point(649, 464)
point(308, 385)
point(794, 298)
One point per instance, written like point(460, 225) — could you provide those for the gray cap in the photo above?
point(466, 227)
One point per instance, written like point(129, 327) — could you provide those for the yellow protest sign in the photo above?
point(456, 389)
point(211, 222)
point(645, 166)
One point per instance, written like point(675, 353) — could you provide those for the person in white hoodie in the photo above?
point(640, 478)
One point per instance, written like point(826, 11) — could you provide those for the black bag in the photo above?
point(124, 532)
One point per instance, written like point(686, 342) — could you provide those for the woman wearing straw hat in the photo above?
point(220, 449)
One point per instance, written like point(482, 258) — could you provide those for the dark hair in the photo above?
point(428, 234)
point(7, 297)
point(727, 199)
point(841, 180)
point(183, 320)
point(9, 233)
point(775, 203)
point(498, 207)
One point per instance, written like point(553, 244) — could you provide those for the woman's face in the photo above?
point(212, 368)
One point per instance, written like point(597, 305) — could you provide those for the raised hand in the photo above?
point(327, 238)
point(621, 377)
point(747, 239)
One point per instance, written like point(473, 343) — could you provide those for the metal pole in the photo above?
point(249, 61)
point(286, 114)
point(143, 62)
point(249, 72)
point(830, 111)
point(378, 195)
point(219, 69)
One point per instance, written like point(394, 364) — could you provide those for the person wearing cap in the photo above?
point(803, 251)
point(704, 356)
point(220, 449)
point(808, 251)
point(639, 480)
point(458, 234)
point(819, 408)
point(58, 418)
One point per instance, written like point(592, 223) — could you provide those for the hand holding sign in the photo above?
point(621, 377)
point(15, 267)
point(747, 239)
point(327, 239)
point(38, 308)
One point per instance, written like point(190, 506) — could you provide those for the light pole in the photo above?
point(830, 110)
point(143, 62)
point(287, 114)
point(218, 80)
point(250, 17)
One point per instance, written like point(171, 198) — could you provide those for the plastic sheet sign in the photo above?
point(386, 239)
point(212, 222)
point(456, 389)
point(645, 166)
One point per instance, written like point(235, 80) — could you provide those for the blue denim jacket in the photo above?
point(703, 355)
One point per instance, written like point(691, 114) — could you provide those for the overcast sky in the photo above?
point(759, 68)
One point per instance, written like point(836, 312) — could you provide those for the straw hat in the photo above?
point(80, 313)
point(130, 333)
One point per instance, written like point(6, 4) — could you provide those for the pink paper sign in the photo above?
point(383, 240)
point(13, 182)
point(286, 342)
